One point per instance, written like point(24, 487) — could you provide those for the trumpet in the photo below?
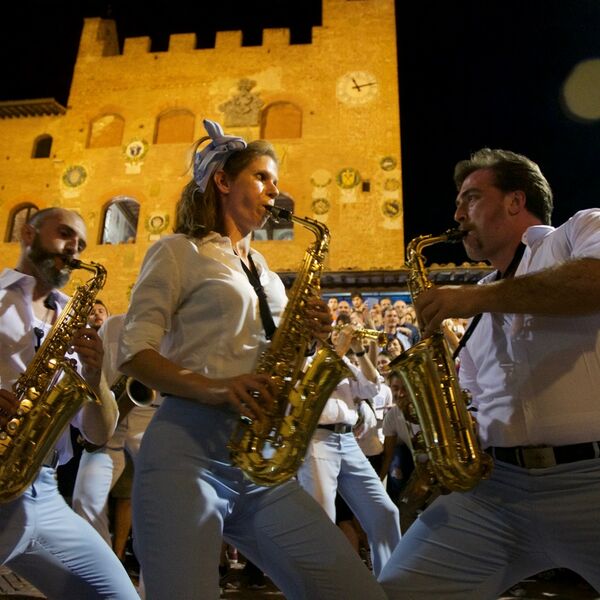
point(363, 333)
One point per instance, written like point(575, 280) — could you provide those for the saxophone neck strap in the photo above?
point(509, 273)
point(263, 304)
point(50, 305)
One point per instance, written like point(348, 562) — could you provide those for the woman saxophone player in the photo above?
point(194, 330)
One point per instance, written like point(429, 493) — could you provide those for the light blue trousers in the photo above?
point(45, 542)
point(187, 497)
point(335, 462)
point(476, 545)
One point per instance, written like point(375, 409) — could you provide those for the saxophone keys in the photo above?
point(32, 393)
point(467, 397)
point(13, 425)
point(25, 406)
point(4, 442)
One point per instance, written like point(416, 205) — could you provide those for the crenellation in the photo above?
point(228, 40)
point(300, 96)
point(136, 46)
point(182, 42)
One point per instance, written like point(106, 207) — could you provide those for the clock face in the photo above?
point(356, 87)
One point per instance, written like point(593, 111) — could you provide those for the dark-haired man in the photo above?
point(41, 538)
point(98, 315)
point(532, 364)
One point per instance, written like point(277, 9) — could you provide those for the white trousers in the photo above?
point(99, 471)
point(335, 462)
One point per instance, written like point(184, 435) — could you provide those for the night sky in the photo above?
point(472, 73)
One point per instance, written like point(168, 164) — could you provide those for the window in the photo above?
point(19, 216)
point(175, 127)
point(120, 221)
point(42, 146)
point(106, 131)
point(281, 120)
point(277, 231)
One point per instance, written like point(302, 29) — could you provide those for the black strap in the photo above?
point(510, 271)
point(263, 305)
point(50, 301)
point(50, 304)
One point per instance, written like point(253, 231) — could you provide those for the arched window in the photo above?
point(106, 131)
point(42, 146)
point(175, 126)
point(18, 217)
point(281, 120)
point(120, 221)
point(277, 231)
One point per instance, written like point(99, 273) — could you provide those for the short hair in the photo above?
point(356, 295)
point(389, 309)
point(198, 213)
point(98, 301)
point(511, 172)
point(37, 218)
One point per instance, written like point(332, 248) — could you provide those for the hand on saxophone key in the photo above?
point(88, 346)
point(448, 301)
point(249, 395)
point(319, 318)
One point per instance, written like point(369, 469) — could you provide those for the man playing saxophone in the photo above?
point(202, 311)
point(41, 538)
point(531, 360)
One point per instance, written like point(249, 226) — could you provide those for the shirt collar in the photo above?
point(535, 234)
point(212, 236)
point(12, 278)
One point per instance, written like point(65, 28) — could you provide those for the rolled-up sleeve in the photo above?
point(360, 385)
point(154, 299)
point(583, 232)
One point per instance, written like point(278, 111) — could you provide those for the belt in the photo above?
point(51, 459)
point(337, 427)
point(542, 457)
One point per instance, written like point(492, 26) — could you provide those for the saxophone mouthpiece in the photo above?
point(62, 261)
point(70, 262)
point(455, 235)
point(278, 213)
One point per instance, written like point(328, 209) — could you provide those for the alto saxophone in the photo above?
point(50, 392)
point(436, 403)
point(271, 453)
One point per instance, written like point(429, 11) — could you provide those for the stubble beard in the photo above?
point(45, 264)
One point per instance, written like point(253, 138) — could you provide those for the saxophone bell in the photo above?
point(138, 393)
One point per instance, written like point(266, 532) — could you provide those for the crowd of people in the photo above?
point(206, 306)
